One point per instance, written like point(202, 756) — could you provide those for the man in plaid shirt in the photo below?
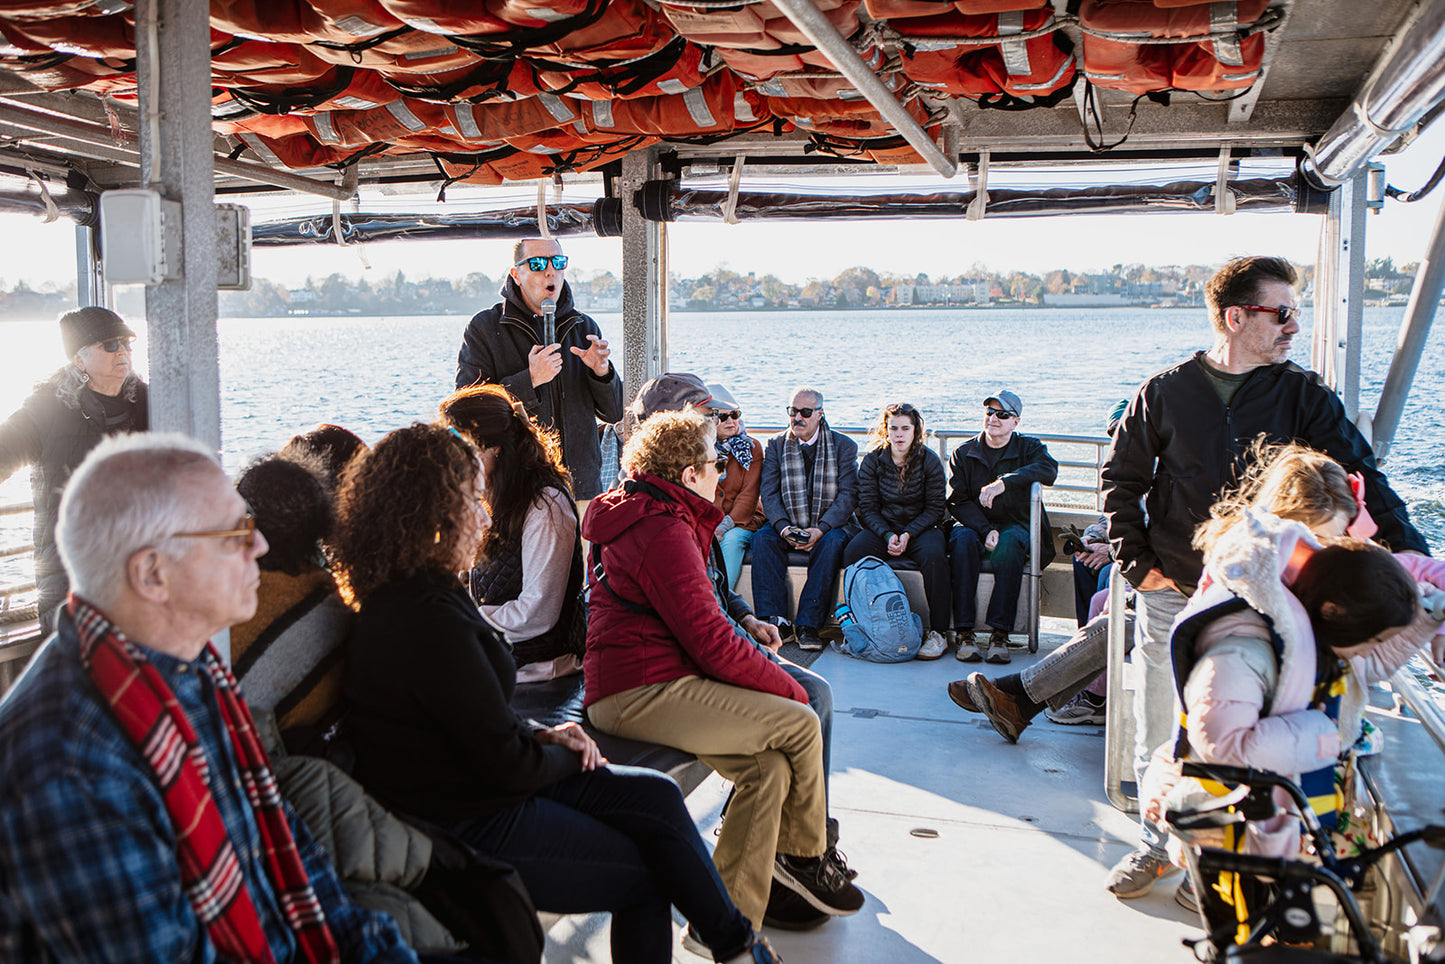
point(138, 817)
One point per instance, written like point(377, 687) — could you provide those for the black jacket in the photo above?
point(494, 349)
point(884, 507)
point(1178, 447)
point(53, 439)
point(1023, 461)
point(428, 686)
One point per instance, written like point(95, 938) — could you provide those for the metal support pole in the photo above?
point(90, 286)
point(174, 65)
point(644, 279)
point(1340, 292)
point(822, 34)
point(1414, 330)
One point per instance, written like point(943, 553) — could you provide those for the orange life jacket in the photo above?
point(251, 63)
point(852, 119)
point(337, 22)
point(676, 67)
point(485, 80)
point(1225, 61)
point(894, 9)
point(1033, 67)
point(816, 84)
point(492, 121)
point(716, 107)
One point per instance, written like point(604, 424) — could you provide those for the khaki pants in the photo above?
point(769, 746)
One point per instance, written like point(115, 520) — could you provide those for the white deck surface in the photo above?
point(1025, 836)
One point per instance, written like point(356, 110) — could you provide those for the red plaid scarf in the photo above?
point(147, 711)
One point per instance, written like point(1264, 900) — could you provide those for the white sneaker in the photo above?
point(1082, 710)
point(933, 646)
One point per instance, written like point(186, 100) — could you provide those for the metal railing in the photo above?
point(1080, 458)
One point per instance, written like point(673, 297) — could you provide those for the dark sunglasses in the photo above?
point(997, 413)
point(725, 416)
point(721, 463)
point(1283, 313)
point(805, 412)
point(246, 531)
point(114, 345)
point(539, 263)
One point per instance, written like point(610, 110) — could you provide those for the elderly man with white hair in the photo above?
point(139, 819)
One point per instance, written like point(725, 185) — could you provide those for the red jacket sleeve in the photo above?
point(673, 575)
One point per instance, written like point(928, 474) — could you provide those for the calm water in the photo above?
point(1069, 366)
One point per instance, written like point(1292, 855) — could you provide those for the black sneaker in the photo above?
point(785, 629)
point(808, 640)
point(790, 912)
point(819, 882)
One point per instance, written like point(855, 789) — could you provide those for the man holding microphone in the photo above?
point(547, 355)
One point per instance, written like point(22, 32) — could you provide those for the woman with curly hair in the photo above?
point(666, 663)
point(530, 572)
point(428, 685)
point(95, 394)
point(901, 501)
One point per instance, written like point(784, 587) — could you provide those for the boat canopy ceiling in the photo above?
point(396, 92)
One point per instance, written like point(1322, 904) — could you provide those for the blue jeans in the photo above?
point(770, 576)
point(1007, 560)
point(1086, 583)
point(734, 544)
point(1154, 715)
point(616, 839)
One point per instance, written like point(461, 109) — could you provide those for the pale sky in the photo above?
point(796, 252)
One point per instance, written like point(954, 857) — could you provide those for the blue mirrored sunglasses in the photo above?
point(539, 263)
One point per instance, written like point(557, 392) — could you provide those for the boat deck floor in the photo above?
point(1025, 835)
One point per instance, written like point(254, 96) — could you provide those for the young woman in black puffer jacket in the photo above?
point(901, 502)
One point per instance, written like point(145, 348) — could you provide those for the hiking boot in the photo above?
point(958, 692)
point(789, 912)
point(1000, 708)
point(1134, 876)
point(1085, 709)
point(819, 882)
point(785, 629)
point(808, 640)
point(933, 646)
point(998, 647)
point(967, 647)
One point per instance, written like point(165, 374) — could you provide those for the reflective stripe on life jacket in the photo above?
point(1223, 59)
point(496, 120)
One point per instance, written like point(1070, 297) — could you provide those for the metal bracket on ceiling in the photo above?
point(1241, 108)
point(735, 180)
point(1224, 199)
point(979, 182)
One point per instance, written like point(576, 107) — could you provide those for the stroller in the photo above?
point(1261, 910)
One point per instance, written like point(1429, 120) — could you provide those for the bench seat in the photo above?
point(557, 701)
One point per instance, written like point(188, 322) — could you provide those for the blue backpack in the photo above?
point(877, 624)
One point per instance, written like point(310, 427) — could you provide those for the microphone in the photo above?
point(549, 321)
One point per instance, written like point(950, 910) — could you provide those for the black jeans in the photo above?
point(929, 551)
point(616, 839)
point(1007, 560)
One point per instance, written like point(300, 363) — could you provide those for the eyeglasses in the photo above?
point(726, 416)
point(998, 413)
point(114, 345)
point(720, 463)
point(246, 532)
point(805, 412)
point(1283, 313)
point(539, 263)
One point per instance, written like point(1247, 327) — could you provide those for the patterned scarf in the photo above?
point(740, 447)
point(148, 712)
point(807, 499)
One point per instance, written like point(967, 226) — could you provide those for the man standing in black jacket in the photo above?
point(567, 381)
point(1184, 438)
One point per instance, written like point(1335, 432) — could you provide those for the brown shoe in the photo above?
point(958, 692)
point(1000, 708)
point(998, 647)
